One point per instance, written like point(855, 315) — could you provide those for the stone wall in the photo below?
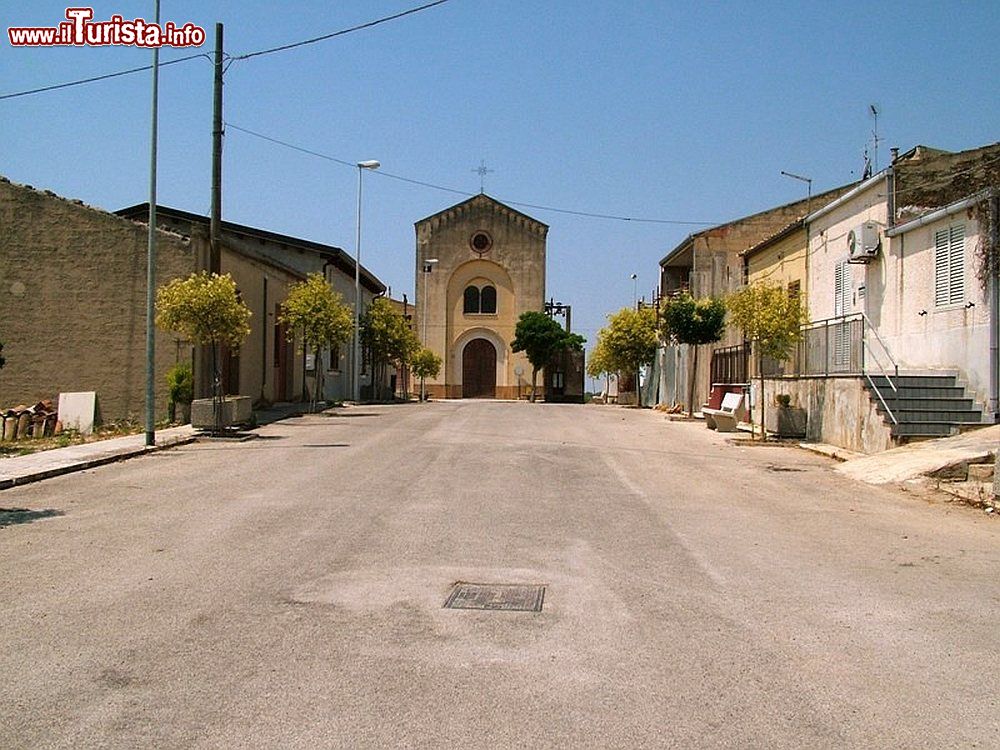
point(839, 411)
point(73, 302)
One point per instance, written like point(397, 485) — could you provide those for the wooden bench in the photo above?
point(725, 418)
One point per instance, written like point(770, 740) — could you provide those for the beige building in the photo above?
point(73, 302)
point(709, 263)
point(265, 264)
point(479, 266)
point(780, 259)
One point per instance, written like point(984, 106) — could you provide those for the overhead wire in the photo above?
point(342, 32)
point(230, 58)
point(422, 183)
point(104, 77)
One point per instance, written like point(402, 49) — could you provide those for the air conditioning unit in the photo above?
point(863, 241)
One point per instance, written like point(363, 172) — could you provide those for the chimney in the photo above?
point(895, 153)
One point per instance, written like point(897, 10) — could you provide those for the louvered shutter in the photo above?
point(949, 266)
point(840, 290)
point(956, 265)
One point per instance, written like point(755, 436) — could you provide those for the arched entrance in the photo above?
point(479, 369)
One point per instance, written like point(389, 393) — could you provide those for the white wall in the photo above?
point(947, 337)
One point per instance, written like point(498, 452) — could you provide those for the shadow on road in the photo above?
point(15, 516)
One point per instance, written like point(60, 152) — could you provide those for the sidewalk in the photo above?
point(918, 459)
point(51, 463)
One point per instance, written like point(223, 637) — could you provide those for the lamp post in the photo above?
point(635, 288)
point(362, 166)
point(428, 266)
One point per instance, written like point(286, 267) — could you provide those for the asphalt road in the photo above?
point(287, 592)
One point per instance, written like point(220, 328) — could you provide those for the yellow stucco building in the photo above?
point(479, 266)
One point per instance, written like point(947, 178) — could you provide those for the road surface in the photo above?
point(287, 592)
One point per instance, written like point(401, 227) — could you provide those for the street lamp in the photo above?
point(428, 266)
point(635, 288)
point(362, 165)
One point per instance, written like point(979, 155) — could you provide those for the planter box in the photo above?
point(236, 410)
point(786, 421)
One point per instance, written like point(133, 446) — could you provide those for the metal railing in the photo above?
point(729, 364)
point(871, 356)
point(846, 345)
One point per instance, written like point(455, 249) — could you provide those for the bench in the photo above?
point(725, 418)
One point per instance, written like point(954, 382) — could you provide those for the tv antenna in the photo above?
point(873, 109)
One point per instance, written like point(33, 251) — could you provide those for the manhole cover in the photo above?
point(513, 597)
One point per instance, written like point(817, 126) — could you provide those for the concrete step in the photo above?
point(952, 417)
point(917, 381)
point(941, 391)
point(924, 429)
point(942, 403)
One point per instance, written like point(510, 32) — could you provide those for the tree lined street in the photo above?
point(288, 592)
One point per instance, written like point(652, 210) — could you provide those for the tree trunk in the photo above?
point(319, 383)
point(534, 377)
point(760, 368)
point(216, 389)
point(691, 379)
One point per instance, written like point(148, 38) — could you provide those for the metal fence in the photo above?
point(729, 364)
point(828, 347)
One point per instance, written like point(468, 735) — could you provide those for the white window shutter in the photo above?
point(956, 265)
point(949, 266)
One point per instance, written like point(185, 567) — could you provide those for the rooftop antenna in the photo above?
point(809, 187)
point(482, 171)
point(875, 139)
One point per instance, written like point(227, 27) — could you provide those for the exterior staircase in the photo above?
point(925, 405)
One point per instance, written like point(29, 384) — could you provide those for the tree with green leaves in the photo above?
point(387, 337)
point(425, 364)
point(205, 309)
point(540, 337)
point(631, 341)
point(315, 310)
point(772, 319)
point(599, 362)
point(686, 320)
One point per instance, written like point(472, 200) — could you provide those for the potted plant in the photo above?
point(180, 389)
point(786, 420)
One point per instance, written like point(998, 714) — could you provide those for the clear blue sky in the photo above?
point(673, 111)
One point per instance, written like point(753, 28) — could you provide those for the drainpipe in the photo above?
point(994, 285)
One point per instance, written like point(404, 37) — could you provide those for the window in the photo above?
point(489, 300)
point(841, 289)
point(478, 300)
point(949, 265)
point(471, 300)
point(795, 289)
point(335, 357)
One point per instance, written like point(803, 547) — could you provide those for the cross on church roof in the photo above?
point(482, 171)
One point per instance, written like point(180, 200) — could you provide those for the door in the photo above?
point(479, 369)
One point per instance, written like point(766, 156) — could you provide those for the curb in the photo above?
point(123, 455)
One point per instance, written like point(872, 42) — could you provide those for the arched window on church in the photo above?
point(472, 298)
point(488, 297)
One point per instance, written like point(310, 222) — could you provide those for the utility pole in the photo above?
point(215, 257)
point(205, 373)
point(151, 256)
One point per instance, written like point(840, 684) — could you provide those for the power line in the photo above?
point(229, 58)
point(352, 29)
point(466, 193)
point(104, 77)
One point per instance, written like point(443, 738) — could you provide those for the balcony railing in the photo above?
point(847, 345)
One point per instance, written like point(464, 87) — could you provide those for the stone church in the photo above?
point(479, 265)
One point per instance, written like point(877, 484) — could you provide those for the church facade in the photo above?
point(479, 265)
